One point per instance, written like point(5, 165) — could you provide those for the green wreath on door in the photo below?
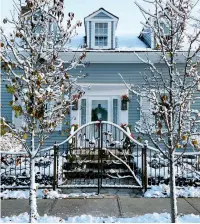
point(100, 110)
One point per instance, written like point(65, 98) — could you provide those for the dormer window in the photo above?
point(101, 34)
point(100, 29)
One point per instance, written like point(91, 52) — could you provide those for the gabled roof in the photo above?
point(101, 9)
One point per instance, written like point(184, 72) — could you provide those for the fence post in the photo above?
point(144, 167)
point(55, 166)
point(99, 153)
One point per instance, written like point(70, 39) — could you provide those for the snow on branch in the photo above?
point(36, 76)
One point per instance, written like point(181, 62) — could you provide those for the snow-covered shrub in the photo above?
point(9, 143)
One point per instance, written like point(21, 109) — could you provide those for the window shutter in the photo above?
point(147, 119)
point(115, 110)
point(83, 111)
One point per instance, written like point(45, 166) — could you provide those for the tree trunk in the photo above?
point(32, 192)
point(32, 199)
point(173, 199)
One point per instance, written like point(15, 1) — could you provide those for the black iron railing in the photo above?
point(99, 154)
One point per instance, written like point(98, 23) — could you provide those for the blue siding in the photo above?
point(101, 15)
point(6, 110)
point(98, 73)
point(108, 73)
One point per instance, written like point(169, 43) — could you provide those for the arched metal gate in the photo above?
point(100, 154)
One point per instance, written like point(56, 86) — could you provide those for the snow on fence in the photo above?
point(147, 162)
point(15, 169)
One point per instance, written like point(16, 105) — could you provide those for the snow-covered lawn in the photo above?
point(147, 218)
point(163, 191)
point(24, 194)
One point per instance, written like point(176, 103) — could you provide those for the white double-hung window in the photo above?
point(101, 34)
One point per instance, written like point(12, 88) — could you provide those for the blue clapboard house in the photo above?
point(108, 56)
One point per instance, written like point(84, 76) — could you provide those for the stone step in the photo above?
point(108, 182)
point(96, 151)
point(94, 165)
point(87, 170)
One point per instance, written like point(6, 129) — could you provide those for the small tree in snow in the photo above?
point(37, 76)
point(171, 89)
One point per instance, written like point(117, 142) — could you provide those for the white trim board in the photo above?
point(102, 92)
point(89, 18)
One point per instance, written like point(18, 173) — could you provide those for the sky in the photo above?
point(130, 17)
point(128, 13)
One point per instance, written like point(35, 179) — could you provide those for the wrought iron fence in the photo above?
point(15, 169)
point(187, 168)
point(99, 154)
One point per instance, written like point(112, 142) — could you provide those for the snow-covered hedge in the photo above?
point(9, 143)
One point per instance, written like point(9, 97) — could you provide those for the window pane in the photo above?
point(99, 110)
point(101, 32)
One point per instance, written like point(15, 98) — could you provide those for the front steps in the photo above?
point(86, 167)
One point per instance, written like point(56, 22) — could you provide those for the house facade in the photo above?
point(104, 88)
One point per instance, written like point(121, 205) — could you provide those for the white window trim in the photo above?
point(102, 91)
point(93, 34)
point(101, 34)
point(88, 33)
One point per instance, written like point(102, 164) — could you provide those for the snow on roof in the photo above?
point(130, 42)
point(124, 43)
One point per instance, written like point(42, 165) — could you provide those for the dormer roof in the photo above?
point(101, 13)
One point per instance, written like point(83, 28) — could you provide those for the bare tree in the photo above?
point(37, 76)
point(171, 84)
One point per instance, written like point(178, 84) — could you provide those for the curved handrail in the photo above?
point(104, 122)
point(14, 153)
point(131, 138)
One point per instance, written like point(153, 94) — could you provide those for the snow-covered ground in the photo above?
point(160, 191)
point(147, 218)
point(24, 194)
point(163, 191)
